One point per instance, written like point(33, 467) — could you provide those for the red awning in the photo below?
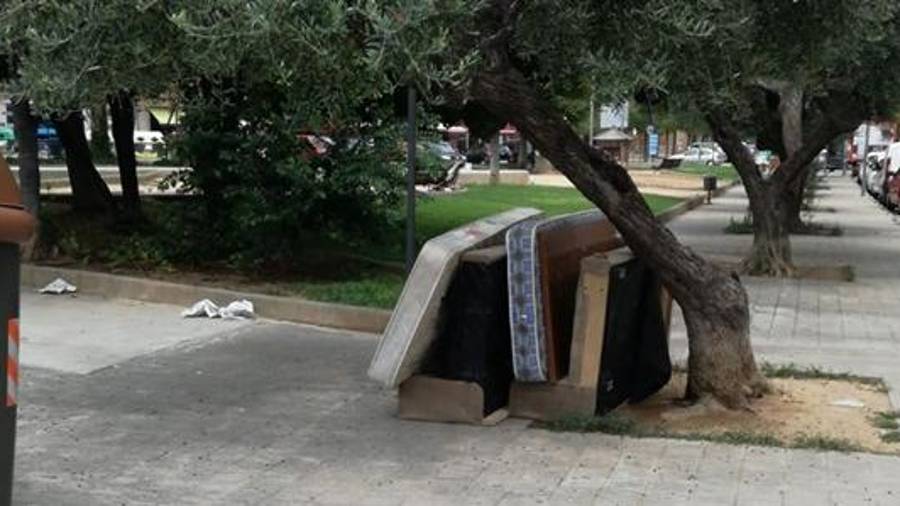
point(509, 130)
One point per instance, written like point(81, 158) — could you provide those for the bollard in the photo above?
point(709, 184)
point(16, 226)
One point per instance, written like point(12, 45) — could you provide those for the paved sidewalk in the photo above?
point(846, 326)
point(275, 414)
point(280, 414)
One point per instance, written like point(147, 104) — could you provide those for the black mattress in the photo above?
point(473, 342)
point(635, 363)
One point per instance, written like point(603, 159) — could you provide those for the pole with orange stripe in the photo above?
point(12, 361)
point(16, 226)
point(9, 363)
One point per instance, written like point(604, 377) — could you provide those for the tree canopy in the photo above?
point(258, 72)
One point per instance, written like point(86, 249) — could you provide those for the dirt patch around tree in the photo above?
point(816, 413)
point(842, 272)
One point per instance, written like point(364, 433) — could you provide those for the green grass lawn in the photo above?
point(436, 215)
point(330, 271)
point(439, 214)
point(724, 172)
point(372, 289)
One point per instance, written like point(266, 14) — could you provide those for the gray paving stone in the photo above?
point(283, 415)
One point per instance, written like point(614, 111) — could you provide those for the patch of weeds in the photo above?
point(621, 425)
point(740, 227)
point(891, 437)
point(733, 438)
point(381, 290)
point(885, 420)
point(825, 443)
point(610, 423)
point(818, 230)
point(794, 371)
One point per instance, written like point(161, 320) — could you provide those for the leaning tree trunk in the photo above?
point(121, 107)
point(714, 303)
point(25, 125)
point(89, 192)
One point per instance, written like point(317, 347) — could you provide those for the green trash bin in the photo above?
point(16, 227)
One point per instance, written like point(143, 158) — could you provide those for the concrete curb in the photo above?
point(290, 309)
point(692, 203)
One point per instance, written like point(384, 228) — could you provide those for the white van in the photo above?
point(148, 140)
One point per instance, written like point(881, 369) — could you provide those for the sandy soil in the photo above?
point(667, 179)
point(665, 183)
point(795, 408)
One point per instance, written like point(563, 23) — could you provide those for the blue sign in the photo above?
point(653, 144)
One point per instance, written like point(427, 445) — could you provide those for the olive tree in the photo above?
point(70, 56)
point(512, 60)
point(794, 76)
point(518, 60)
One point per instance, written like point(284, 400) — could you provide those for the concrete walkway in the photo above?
point(274, 414)
point(845, 326)
point(666, 183)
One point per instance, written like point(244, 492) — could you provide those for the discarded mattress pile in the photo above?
point(525, 316)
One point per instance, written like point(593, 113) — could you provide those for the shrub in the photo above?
point(264, 192)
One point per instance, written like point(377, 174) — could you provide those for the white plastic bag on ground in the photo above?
point(204, 307)
point(59, 286)
point(237, 310)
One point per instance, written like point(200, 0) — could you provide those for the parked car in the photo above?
point(479, 155)
point(708, 145)
point(7, 139)
point(835, 162)
point(700, 154)
point(874, 181)
point(762, 158)
point(443, 150)
point(148, 141)
point(891, 178)
point(435, 160)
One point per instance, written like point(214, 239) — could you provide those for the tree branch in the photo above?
point(729, 139)
point(839, 113)
point(790, 111)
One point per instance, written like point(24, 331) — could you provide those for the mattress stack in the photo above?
point(549, 316)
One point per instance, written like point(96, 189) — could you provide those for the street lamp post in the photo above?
point(410, 177)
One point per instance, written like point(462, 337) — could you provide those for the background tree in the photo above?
point(89, 191)
point(792, 75)
point(100, 145)
point(121, 109)
point(76, 55)
point(25, 125)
